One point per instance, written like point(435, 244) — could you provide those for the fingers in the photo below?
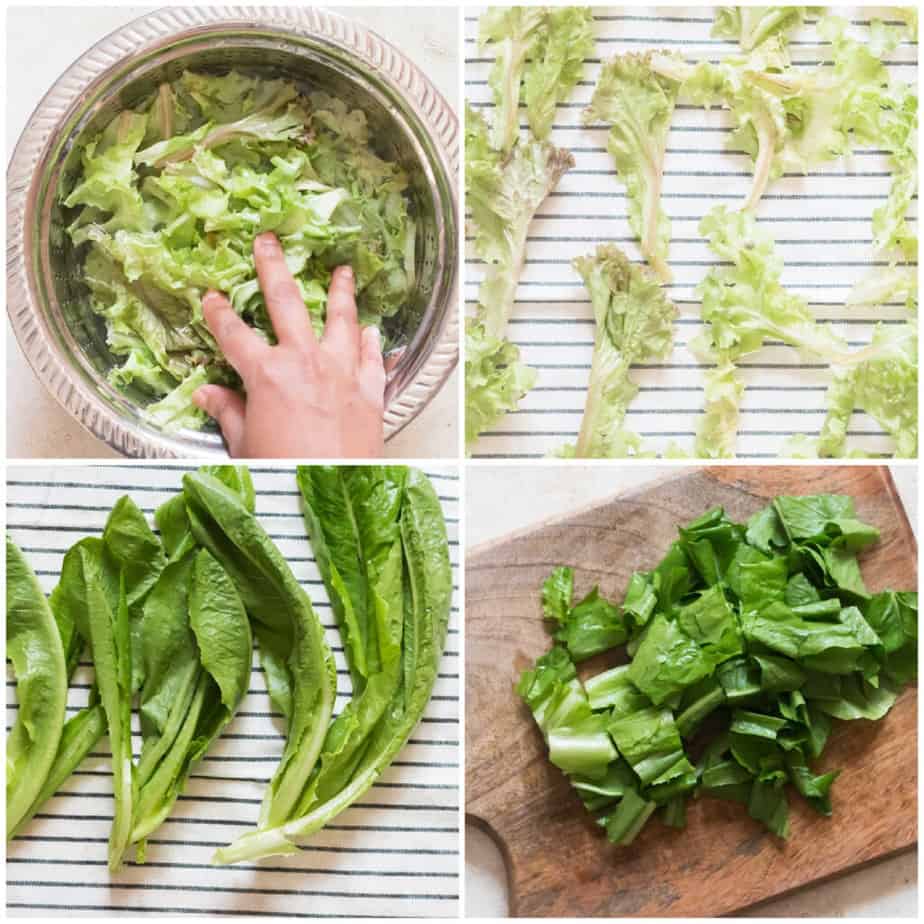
point(227, 407)
point(284, 302)
point(341, 330)
point(241, 346)
point(372, 367)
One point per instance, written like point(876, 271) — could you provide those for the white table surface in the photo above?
point(41, 43)
point(502, 499)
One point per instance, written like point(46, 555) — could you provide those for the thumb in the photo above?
point(227, 407)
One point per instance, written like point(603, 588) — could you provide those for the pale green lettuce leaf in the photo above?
point(503, 195)
point(539, 53)
point(750, 26)
point(557, 64)
point(495, 379)
point(717, 431)
point(637, 102)
point(634, 324)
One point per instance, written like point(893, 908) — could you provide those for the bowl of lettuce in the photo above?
point(145, 173)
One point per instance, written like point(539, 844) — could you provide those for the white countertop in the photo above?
point(41, 43)
point(500, 499)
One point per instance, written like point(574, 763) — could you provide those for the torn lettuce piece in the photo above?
point(587, 628)
point(637, 102)
point(557, 592)
point(592, 626)
point(634, 324)
point(577, 738)
point(649, 742)
point(539, 54)
point(176, 411)
point(614, 690)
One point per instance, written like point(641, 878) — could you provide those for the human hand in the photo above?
point(304, 398)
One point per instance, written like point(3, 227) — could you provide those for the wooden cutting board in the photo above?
point(558, 861)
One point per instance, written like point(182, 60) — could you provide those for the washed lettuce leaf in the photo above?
point(745, 304)
point(539, 53)
point(881, 114)
point(792, 120)
point(882, 287)
point(634, 324)
point(885, 386)
point(503, 195)
point(750, 26)
point(637, 102)
point(717, 431)
point(495, 379)
point(169, 198)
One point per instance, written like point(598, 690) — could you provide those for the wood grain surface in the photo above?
point(558, 861)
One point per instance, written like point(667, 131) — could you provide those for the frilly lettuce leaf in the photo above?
point(495, 379)
point(634, 324)
point(637, 102)
point(539, 51)
point(886, 286)
point(750, 26)
point(557, 64)
point(885, 386)
point(717, 431)
point(503, 195)
point(791, 120)
point(745, 304)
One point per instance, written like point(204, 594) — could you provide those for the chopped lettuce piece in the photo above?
point(747, 640)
